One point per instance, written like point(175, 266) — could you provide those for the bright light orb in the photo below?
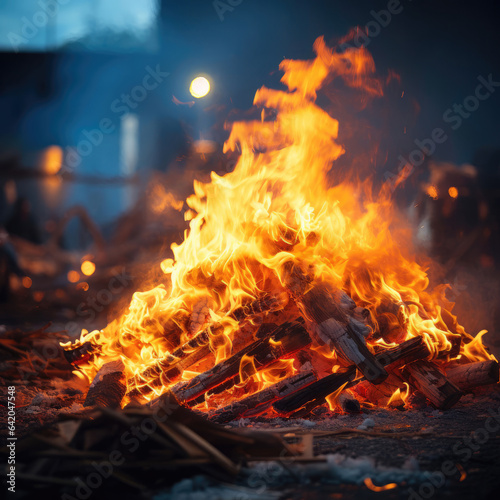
point(199, 87)
point(88, 268)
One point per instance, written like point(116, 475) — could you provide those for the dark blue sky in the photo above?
point(439, 48)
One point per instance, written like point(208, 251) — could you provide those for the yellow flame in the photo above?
point(399, 397)
point(332, 398)
point(285, 202)
point(475, 350)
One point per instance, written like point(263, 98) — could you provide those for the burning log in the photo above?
point(169, 369)
point(199, 315)
point(314, 395)
point(80, 354)
point(406, 352)
point(426, 377)
point(454, 351)
point(108, 387)
point(259, 402)
point(286, 340)
point(471, 375)
point(349, 403)
point(261, 306)
point(334, 313)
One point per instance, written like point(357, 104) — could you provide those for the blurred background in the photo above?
point(98, 126)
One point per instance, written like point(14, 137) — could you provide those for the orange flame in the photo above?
point(332, 398)
point(399, 397)
point(284, 202)
point(369, 484)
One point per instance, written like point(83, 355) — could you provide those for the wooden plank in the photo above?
point(315, 394)
point(259, 402)
point(286, 340)
point(426, 377)
point(471, 375)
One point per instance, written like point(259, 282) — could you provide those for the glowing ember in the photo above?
point(274, 228)
point(369, 484)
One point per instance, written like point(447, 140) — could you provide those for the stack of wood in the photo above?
point(137, 450)
point(325, 318)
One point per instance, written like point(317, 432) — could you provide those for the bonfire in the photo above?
point(295, 287)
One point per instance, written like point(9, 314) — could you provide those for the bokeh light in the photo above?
point(82, 286)
point(199, 87)
point(73, 276)
point(52, 160)
point(88, 267)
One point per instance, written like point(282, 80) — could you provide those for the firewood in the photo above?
point(171, 438)
point(81, 354)
point(263, 305)
point(406, 352)
point(167, 376)
point(335, 320)
point(392, 320)
point(286, 340)
point(349, 403)
point(164, 374)
point(314, 395)
point(200, 315)
point(259, 402)
point(454, 351)
point(331, 311)
point(426, 377)
point(108, 387)
point(225, 386)
point(471, 375)
point(170, 368)
point(235, 443)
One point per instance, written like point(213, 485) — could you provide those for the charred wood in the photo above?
point(108, 387)
point(426, 378)
point(259, 402)
point(333, 314)
point(349, 403)
point(81, 354)
point(286, 340)
point(315, 394)
point(471, 375)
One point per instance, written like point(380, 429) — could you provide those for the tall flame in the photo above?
point(281, 204)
